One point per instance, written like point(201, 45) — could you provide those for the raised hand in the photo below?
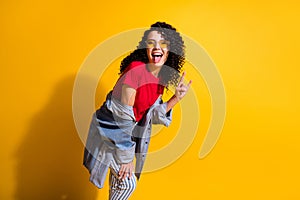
point(181, 89)
point(180, 92)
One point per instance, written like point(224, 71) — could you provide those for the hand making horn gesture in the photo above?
point(181, 89)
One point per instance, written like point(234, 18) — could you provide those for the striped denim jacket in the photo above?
point(114, 134)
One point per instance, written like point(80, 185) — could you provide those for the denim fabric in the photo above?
point(114, 134)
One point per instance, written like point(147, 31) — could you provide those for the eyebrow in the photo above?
point(157, 40)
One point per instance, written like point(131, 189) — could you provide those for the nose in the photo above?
point(157, 45)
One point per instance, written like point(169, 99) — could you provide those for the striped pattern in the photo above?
point(120, 189)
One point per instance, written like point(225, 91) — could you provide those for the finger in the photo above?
point(122, 172)
point(181, 78)
point(190, 82)
point(130, 172)
point(123, 175)
point(180, 85)
point(182, 89)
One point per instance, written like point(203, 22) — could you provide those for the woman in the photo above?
point(121, 127)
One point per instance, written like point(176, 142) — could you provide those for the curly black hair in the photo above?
point(169, 73)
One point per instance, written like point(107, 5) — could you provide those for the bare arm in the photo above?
point(180, 92)
point(127, 98)
point(128, 95)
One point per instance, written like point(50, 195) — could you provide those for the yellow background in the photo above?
point(255, 45)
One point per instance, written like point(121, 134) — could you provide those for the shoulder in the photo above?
point(136, 64)
point(135, 67)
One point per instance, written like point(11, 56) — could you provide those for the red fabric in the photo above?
point(146, 85)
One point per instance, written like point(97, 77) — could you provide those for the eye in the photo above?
point(150, 43)
point(164, 43)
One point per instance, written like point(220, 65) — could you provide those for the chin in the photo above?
point(158, 64)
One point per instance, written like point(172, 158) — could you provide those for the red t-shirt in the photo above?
point(147, 86)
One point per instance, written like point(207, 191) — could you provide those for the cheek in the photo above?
point(166, 55)
point(149, 53)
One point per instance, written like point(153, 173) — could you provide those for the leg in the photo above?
point(120, 189)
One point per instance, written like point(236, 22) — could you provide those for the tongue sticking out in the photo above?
point(156, 59)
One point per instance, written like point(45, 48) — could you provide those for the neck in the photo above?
point(154, 69)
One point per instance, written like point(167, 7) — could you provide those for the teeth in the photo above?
point(158, 55)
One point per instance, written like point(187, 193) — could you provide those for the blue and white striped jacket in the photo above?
point(114, 134)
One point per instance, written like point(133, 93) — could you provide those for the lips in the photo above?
point(156, 57)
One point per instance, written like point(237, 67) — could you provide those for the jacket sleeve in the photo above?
point(116, 122)
point(160, 114)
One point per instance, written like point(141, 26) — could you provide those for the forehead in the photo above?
point(155, 35)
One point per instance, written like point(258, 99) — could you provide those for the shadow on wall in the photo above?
point(49, 160)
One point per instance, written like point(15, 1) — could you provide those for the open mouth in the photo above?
point(156, 57)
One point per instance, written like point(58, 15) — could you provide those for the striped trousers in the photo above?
point(120, 189)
